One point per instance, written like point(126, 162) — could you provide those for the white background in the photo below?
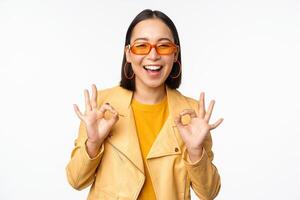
point(244, 54)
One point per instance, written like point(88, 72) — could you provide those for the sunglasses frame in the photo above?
point(176, 47)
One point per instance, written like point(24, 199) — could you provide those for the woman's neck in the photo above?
point(148, 95)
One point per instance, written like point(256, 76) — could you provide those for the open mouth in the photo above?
point(153, 68)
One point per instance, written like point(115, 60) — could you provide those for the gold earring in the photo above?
point(179, 70)
point(125, 73)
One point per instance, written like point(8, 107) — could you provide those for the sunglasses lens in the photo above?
point(165, 49)
point(141, 48)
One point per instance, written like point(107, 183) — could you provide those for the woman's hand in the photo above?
point(97, 126)
point(194, 133)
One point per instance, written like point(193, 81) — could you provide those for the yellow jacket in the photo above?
point(117, 172)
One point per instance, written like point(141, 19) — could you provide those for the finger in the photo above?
point(115, 117)
point(186, 116)
point(77, 111)
point(87, 100)
point(209, 110)
point(177, 120)
point(190, 112)
point(216, 124)
point(107, 107)
point(94, 97)
point(180, 126)
point(202, 105)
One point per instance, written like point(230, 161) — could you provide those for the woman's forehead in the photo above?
point(151, 30)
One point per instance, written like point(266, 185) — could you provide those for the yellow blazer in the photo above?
point(117, 172)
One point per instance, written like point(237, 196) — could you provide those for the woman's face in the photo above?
point(145, 67)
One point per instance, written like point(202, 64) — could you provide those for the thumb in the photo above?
point(177, 121)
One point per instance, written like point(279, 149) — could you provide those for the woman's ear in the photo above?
point(127, 54)
point(176, 54)
point(176, 57)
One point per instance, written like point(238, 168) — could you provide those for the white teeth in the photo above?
point(151, 67)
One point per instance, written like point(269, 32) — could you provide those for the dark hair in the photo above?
point(173, 83)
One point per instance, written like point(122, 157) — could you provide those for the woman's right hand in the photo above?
point(97, 126)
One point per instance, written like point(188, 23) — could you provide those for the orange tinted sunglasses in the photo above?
point(144, 48)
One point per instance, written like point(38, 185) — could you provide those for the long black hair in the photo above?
point(173, 83)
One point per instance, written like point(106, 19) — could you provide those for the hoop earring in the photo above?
point(125, 73)
point(179, 70)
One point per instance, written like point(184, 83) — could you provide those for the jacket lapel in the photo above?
point(124, 137)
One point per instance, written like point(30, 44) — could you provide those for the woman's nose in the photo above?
point(153, 55)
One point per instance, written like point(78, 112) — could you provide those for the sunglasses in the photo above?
point(144, 48)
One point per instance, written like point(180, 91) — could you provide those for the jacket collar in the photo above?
point(125, 140)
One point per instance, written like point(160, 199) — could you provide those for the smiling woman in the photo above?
point(133, 140)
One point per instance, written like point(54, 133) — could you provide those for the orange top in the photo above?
point(149, 119)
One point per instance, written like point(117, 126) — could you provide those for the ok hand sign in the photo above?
point(194, 133)
point(97, 126)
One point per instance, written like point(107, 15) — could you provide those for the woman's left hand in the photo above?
point(194, 133)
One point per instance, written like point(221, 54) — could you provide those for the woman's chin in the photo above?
point(154, 84)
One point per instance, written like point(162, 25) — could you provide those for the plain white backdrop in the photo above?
point(244, 54)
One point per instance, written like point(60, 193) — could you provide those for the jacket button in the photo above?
point(176, 149)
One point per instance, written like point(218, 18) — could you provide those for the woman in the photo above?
point(143, 139)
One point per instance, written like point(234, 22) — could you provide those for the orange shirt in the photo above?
point(149, 119)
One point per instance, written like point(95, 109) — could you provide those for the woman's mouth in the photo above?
point(153, 70)
point(152, 67)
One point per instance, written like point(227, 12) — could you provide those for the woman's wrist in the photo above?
point(195, 154)
point(93, 147)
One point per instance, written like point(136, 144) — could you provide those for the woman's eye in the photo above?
point(140, 46)
point(162, 46)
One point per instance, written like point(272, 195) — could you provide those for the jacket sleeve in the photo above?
point(81, 168)
point(204, 176)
